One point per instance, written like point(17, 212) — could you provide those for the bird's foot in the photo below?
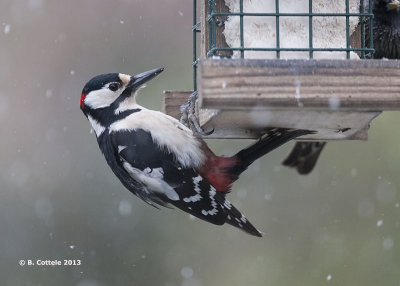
point(189, 116)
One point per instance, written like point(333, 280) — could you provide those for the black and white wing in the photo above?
point(162, 180)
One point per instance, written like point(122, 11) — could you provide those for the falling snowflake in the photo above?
point(7, 29)
point(187, 272)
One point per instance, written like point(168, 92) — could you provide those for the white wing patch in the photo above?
point(227, 204)
point(121, 148)
point(167, 132)
point(154, 173)
point(153, 180)
point(214, 204)
point(197, 196)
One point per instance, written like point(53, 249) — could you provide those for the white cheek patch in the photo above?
point(129, 102)
point(100, 98)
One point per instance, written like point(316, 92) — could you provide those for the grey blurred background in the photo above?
point(59, 200)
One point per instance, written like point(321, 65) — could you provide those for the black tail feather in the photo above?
point(304, 156)
point(237, 219)
point(273, 139)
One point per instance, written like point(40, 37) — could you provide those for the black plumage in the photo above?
point(304, 156)
point(99, 81)
point(197, 195)
point(386, 28)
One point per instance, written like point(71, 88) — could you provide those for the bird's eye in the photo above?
point(114, 86)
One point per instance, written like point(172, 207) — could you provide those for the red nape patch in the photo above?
point(83, 96)
point(216, 170)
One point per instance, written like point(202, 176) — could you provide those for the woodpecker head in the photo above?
point(109, 94)
point(386, 7)
point(393, 5)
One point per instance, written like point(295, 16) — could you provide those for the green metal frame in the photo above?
point(196, 30)
point(366, 50)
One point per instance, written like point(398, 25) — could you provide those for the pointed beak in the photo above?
point(140, 79)
point(395, 4)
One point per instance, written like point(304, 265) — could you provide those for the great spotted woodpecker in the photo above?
point(159, 159)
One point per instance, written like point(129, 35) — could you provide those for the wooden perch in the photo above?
point(251, 123)
point(337, 98)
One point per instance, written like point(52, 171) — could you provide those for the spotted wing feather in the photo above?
point(195, 194)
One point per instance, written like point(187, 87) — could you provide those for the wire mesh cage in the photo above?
point(286, 29)
point(341, 17)
point(292, 64)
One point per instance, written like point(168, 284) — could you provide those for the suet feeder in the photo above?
point(290, 82)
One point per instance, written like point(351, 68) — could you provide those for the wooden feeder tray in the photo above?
point(240, 98)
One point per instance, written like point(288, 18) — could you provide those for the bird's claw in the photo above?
point(189, 116)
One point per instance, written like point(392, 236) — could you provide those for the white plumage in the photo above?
point(153, 182)
point(167, 132)
point(260, 32)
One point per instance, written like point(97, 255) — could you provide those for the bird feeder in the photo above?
point(286, 67)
